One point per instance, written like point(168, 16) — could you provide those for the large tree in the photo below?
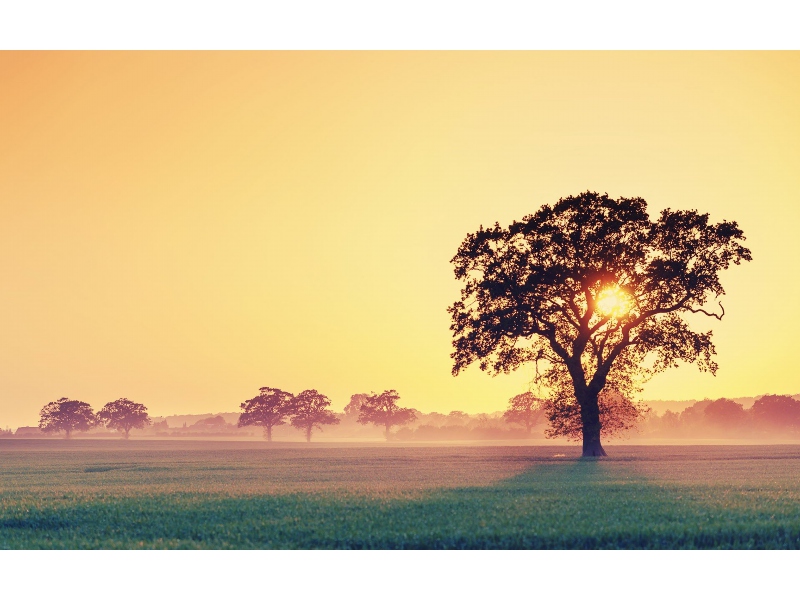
point(124, 415)
point(269, 409)
point(310, 410)
point(382, 410)
point(595, 293)
point(66, 415)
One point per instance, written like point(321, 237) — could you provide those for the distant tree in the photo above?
point(524, 409)
point(309, 410)
point(776, 412)
point(456, 418)
point(124, 415)
point(351, 411)
point(670, 421)
point(269, 409)
point(66, 415)
point(596, 294)
point(382, 410)
point(725, 414)
point(693, 418)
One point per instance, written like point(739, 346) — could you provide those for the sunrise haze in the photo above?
point(182, 228)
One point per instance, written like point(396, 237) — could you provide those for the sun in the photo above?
point(613, 301)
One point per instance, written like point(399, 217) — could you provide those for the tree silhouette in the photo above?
point(66, 415)
point(124, 415)
point(725, 415)
point(269, 409)
point(587, 289)
point(352, 408)
point(777, 412)
point(524, 409)
point(382, 410)
point(309, 409)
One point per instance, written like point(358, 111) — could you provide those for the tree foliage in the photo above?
point(382, 410)
point(617, 415)
point(776, 412)
point(593, 292)
point(66, 415)
point(269, 409)
point(310, 410)
point(725, 414)
point(353, 408)
point(124, 415)
point(524, 409)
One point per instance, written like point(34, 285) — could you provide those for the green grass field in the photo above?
point(181, 494)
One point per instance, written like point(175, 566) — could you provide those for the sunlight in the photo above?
point(613, 301)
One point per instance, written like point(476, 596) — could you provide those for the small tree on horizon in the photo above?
point(382, 410)
point(269, 409)
point(124, 415)
point(524, 409)
point(309, 410)
point(66, 415)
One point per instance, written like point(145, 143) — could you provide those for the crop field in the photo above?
point(183, 494)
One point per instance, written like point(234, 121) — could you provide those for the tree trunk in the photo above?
point(308, 433)
point(590, 418)
point(387, 431)
point(268, 432)
point(67, 431)
point(127, 432)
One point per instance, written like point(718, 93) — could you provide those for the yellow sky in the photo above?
point(184, 228)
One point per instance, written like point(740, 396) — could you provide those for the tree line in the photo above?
point(73, 415)
point(271, 408)
point(309, 410)
point(770, 416)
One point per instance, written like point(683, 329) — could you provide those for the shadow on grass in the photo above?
point(570, 504)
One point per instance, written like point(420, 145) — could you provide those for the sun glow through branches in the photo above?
point(613, 301)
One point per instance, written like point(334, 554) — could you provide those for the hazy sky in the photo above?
point(184, 228)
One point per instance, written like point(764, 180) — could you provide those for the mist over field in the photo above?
point(727, 421)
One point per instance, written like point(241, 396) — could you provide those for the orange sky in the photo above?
point(184, 228)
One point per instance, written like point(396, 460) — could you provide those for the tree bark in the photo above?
point(308, 433)
point(590, 418)
point(268, 431)
point(127, 432)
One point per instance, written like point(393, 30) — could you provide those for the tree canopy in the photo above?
point(310, 410)
point(777, 412)
point(66, 415)
point(595, 294)
point(124, 415)
point(269, 409)
point(382, 410)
